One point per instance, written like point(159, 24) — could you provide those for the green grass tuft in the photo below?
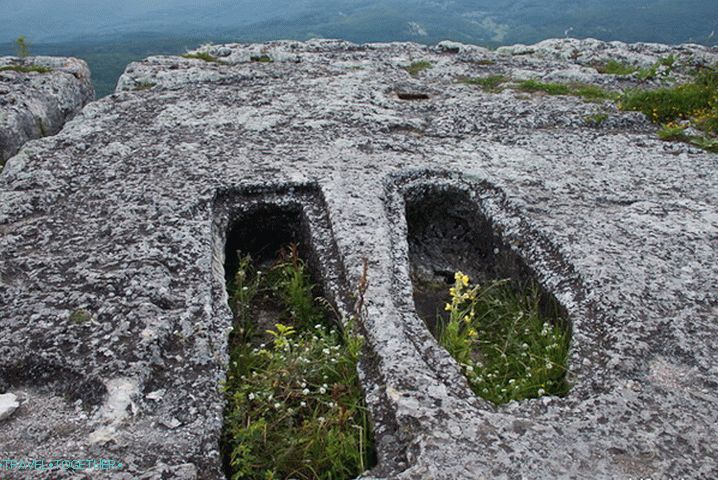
point(550, 88)
point(418, 67)
point(507, 349)
point(596, 119)
point(294, 405)
point(693, 104)
point(613, 67)
point(26, 69)
point(80, 316)
point(489, 84)
point(662, 68)
point(673, 133)
point(202, 56)
point(144, 85)
point(585, 91)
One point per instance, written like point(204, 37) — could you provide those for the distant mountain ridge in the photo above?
point(109, 36)
point(483, 21)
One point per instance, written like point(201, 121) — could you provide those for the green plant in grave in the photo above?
point(294, 405)
point(507, 349)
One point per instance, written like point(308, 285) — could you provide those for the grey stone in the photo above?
point(8, 405)
point(122, 214)
point(34, 104)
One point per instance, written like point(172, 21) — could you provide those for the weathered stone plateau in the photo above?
point(37, 104)
point(114, 313)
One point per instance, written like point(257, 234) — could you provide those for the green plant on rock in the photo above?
point(294, 405)
point(661, 69)
point(614, 67)
point(202, 56)
point(673, 132)
point(80, 316)
point(550, 88)
point(585, 91)
point(417, 67)
point(26, 68)
point(144, 85)
point(508, 350)
point(595, 119)
point(489, 83)
point(694, 103)
point(23, 46)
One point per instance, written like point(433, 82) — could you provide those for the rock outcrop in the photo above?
point(37, 96)
point(111, 284)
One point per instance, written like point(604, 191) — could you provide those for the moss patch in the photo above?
point(26, 69)
point(418, 67)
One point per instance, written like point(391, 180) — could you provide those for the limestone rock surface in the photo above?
point(35, 104)
point(116, 216)
point(8, 405)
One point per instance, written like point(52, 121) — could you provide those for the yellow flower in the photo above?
point(452, 291)
point(473, 333)
point(448, 307)
point(465, 280)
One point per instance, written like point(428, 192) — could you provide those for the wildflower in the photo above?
point(448, 307)
point(322, 390)
point(302, 404)
point(541, 391)
point(305, 391)
point(549, 365)
point(277, 405)
point(251, 396)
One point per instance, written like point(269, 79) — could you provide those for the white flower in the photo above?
point(321, 419)
point(318, 326)
point(322, 390)
point(302, 404)
point(541, 391)
point(512, 381)
point(549, 365)
point(251, 396)
point(277, 405)
point(326, 351)
point(305, 392)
